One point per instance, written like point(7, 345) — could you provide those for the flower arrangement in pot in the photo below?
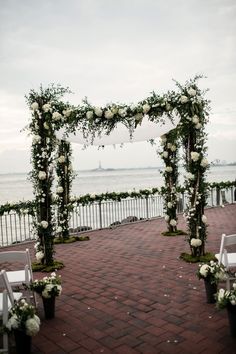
point(227, 299)
point(48, 288)
point(212, 273)
point(25, 324)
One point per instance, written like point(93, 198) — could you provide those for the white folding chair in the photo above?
point(20, 269)
point(7, 299)
point(225, 257)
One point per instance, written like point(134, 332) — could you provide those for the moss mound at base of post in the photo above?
point(71, 239)
point(195, 259)
point(176, 233)
point(38, 267)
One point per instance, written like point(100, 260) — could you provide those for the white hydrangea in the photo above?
point(195, 119)
point(204, 163)
point(169, 205)
point(39, 255)
point(44, 224)
point(190, 176)
point(12, 323)
point(168, 169)
point(204, 219)
point(89, 115)
point(167, 218)
point(46, 107)
point(122, 112)
point(204, 269)
point(67, 112)
point(138, 117)
point(34, 106)
point(195, 242)
point(146, 108)
point(183, 99)
point(198, 126)
point(98, 111)
point(42, 175)
point(109, 114)
point(36, 139)
point(195, 156)
point(59, 229)
point(61, 159)
point(56, 116)
point(165, 154)
point(173, 222)
point(60, 189)
point(192, 92)
point(173, 148)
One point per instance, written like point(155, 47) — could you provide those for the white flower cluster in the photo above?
point(226, 297)
point(195, 242)
point(212, 270)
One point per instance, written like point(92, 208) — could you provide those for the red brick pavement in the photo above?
point(127, 292)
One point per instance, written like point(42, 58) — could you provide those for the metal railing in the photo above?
point(16, 228)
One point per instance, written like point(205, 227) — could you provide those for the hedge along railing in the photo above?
point(100, 211)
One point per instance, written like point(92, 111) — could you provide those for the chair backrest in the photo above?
point(21, 257)
point(5, 286)
point(226, 240)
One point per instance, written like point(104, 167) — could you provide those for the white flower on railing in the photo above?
point(61, 159)
point(168, 169)
point(165, 154)
point(109, 114)
point(146, 108)
point(44, 224)
point(89, 115)
point(173, 222)
point(190, 176)
point(195, 156)
point(36, 139)
point(204, 219)
point(173, 148)
point(67, 113)
point(59, 229)
point(60, 189)
point(163, 139)
point(195, 242)
point(198, 126)
point(195, 119)
point(46, 126)
point(42, 175)
point(98, 111)
point(169, 205)
point(34, 106)
point(122, 112)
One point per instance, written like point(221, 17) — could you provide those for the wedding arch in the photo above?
point(50, 114)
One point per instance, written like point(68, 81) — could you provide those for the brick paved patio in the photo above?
point(125, 291)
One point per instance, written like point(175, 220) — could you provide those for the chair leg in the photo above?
point(228, 284)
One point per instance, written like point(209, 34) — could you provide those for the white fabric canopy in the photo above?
point(146, 131)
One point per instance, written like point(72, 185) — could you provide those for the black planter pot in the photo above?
point(232, 319)
point(23, 342)
point(211, 290)
point(49, 307)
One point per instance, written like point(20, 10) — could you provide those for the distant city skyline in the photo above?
point(119, 52)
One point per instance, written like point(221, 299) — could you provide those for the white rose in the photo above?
point(167, 218)
point(195, 119)
point(39, 256)
point(138, 117)
point(203, 269)
point(61, 159)
point(46, 126)
point(56, 116)
point(44, 224)
point(173, 148)
point(114, 109)
point(165, 154)
point(195, 242)
point(192, 92)
point(98, 111)
point(146, 108)
point(169, 205)
point(168, 169)
point(234, 286)
point(36, 139)
point(12, 323)
point(89, 115)
point(195, 156)
point(109, 114)
point(46, 107)
point(221, 294)
point(92, 196)
point(198, 126)
point(190, 176)
point(42, 175)
point(122, 112)
point(60, 189)
point(34, 106)
point(59, 229)
point(183, 99)
point(204, 162)
point(173, 222)
point(67, 112)
point(204, 219)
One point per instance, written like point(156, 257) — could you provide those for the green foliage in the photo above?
point(175, 233)
point(39, 267)
point(189, 258)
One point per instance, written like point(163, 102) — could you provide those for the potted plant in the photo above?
point(227, 299)
point(48, 288)
point(25, 324)
point(212, 273)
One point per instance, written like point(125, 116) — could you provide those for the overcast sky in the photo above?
point(115, 51)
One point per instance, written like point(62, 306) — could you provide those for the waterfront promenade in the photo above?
point(126, 291)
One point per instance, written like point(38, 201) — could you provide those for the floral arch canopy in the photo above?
point(51, 115)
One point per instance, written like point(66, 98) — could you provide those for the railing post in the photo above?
point(100, 213)
point(147, 210)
